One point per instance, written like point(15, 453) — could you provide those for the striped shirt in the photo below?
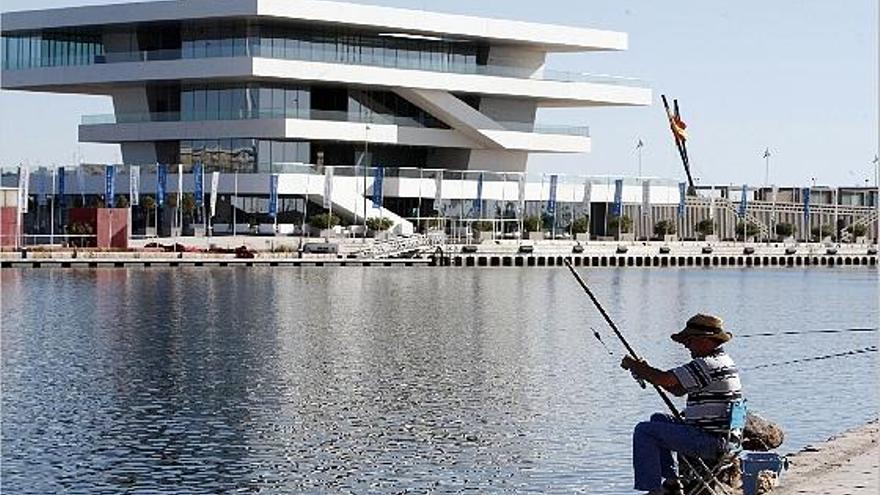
point(712, 383)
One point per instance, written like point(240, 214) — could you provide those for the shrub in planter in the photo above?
point(149, 204)
point(785, 229)
point(581, 225)
point(326, 221)
point(751, 229)
point(624, 222)
point(78, 229)
point(482, 226)
point(379, 224)
point(664, 227)
point(706, 227)
point(122, 202)
point(822, 231)
point(858, 230)
point(532, 224)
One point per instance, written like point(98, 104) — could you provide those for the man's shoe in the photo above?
point(673, 487)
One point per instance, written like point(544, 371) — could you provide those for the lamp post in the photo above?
point(876, 163)
point(639, 146)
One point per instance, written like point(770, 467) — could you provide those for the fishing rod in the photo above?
point(809, 332)
point(629, 348)
point(854, 352)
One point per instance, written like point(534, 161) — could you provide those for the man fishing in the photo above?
point(711, 383)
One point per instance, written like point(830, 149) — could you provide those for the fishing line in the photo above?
point(807, 332)
point(854, 352)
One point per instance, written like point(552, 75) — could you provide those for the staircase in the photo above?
point(402, 247)
point(349, 202)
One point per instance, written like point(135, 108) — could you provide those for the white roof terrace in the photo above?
point(393, 21)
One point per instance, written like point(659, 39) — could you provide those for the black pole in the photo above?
point(620, 336)
point(682, 147)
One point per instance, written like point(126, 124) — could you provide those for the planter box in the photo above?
point(150, 232)
point(199, 231)
point(711, 238)
point(481, 236)
point(585, 237)
point(861, 240)
point(670, 238)
point(626, 237)
point(328, 234)
point(535, 236)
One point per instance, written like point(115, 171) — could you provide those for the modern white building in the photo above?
point(259, 86)
point(242, 84)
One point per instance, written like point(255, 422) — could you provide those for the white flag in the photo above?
point(180, 185)
point(215, 182)
point(328, 187)
point(24, 179)
point(588, 194)
point(81, 182)
point(134, 184)
point(646, 197)
point(712, 203)
point(438, 190)
point(521, 194)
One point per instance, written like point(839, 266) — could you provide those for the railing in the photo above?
point(328, 115)
point(319, 54)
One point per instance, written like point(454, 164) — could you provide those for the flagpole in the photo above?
point(52, 209)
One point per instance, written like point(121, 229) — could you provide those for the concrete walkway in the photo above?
point(848, 464)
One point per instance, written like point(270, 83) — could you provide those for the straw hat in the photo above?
point(703, 325)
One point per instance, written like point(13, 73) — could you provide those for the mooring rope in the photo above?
point(854, 352)
point(806, 332)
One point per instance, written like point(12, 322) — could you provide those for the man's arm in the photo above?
point(665, 379)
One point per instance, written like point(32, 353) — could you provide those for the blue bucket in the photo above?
point(755, 462)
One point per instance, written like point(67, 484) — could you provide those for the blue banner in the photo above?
point(109, 185)
point(617, 207)
point(41, 187)
point(273, 195)
point(378, 185)
point(478, 201)
point(61, 185)
point(682, 197)
point(161, 183)
point(198, 184)
point(551, 201)
point(806, 195)
point(744, 201)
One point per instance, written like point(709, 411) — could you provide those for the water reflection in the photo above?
point(385, 380)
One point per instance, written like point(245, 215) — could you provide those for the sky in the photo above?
point(797, 77)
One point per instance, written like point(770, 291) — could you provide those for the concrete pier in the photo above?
point(494, 255)
point(845, 465)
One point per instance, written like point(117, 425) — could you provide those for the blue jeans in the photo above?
point(654, 442)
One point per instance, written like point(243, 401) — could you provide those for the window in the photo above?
point(226, 109)
point(186, 105)
point(199, 109)
point(264, 156)
point(212, 104)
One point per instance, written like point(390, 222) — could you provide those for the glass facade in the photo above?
point(51, 49)
point(299, 42)
point(244, 155)
point(239, 38)
point(244, 102)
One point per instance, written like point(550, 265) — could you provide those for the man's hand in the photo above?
point(631, 364)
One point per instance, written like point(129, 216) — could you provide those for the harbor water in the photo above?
point(393, 380)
